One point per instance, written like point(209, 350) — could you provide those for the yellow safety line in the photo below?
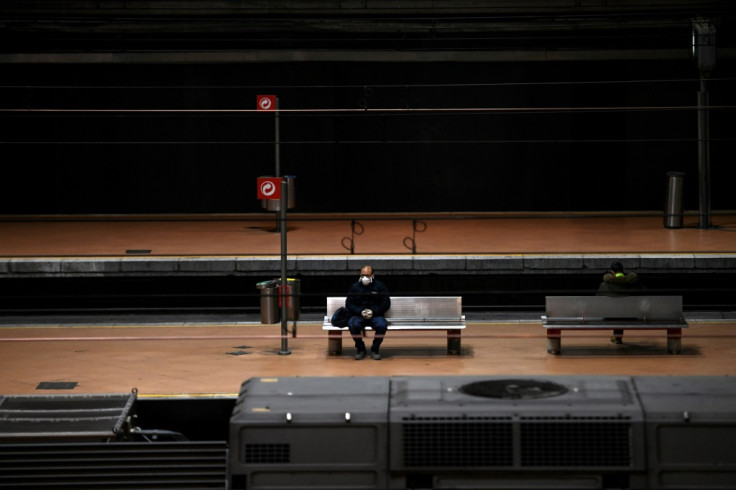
point(187, 395)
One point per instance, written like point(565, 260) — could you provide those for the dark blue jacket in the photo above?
point(374, 297)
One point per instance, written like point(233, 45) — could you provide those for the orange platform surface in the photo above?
point(213, 359)
point(375, 234)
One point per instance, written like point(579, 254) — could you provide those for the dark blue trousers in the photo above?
point(356, 324)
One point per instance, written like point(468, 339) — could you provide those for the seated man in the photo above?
point(617, 283)
point(367, 301)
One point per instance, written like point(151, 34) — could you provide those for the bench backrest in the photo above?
point(605, 307)
point(413, 307)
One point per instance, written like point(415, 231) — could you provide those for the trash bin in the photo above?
point(293, 291)
point(275, 204)
point(269, 301)
point(673, 213)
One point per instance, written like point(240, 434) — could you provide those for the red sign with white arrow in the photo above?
point(266, 102)
point(269, 188)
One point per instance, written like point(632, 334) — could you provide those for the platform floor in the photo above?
point(385, 234)
point(213, 359)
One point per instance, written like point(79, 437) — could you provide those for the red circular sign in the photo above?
point(268, 188)
point(266, 102)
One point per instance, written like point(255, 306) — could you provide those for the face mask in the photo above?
point(366, 280)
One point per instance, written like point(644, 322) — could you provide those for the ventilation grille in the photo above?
point(539, 442)
point(457, 442)
point(555, 444)
point(125, 465)
point(267, 453)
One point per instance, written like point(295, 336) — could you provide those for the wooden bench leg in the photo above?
point(674, 340)
point(554, 340)
point(334, 342)
point(453, 342)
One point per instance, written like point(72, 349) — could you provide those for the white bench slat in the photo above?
point(412, 306)
point(326, 325)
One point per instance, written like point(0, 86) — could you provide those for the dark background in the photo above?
point(608, 147)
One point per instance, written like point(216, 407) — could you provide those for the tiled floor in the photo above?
point(215, 359)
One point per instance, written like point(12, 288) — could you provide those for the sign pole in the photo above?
point(281, 226)
point(277, 154)
point(286, 294)
point(267, 189)
point(276, 139)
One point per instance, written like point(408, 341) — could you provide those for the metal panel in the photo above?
point(49, 417)
point(691, 426)
point(597, 308)
point(594, 424)
point(310, 433)
point(120, 465)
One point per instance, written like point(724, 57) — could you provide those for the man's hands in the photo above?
point(367, 314)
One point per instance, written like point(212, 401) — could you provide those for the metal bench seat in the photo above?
point(408, 313)
point(606, 313)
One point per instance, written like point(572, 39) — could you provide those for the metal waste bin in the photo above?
point(673, 213)
point(269, 301)
point(275, 204)
point(292, 294)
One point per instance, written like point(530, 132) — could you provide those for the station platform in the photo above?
point(209, 356)
point(80, 246)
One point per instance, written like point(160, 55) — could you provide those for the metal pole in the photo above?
point(276, 140)
point(277, 153)
point(704, 51)
point(285, 296)
point(703, 157)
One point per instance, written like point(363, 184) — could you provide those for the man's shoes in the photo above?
point(360, 355)
point(375, 356)
point(616, 340)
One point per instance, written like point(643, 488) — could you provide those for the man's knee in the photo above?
point(355, 324)
point(380, 324)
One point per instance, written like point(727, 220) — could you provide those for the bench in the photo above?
point(408, 313)
point(608, 313)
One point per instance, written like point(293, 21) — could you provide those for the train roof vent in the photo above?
point(514, 389)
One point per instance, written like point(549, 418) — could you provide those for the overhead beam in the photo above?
point(190, 57)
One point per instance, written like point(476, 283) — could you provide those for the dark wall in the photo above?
point(207, 162)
